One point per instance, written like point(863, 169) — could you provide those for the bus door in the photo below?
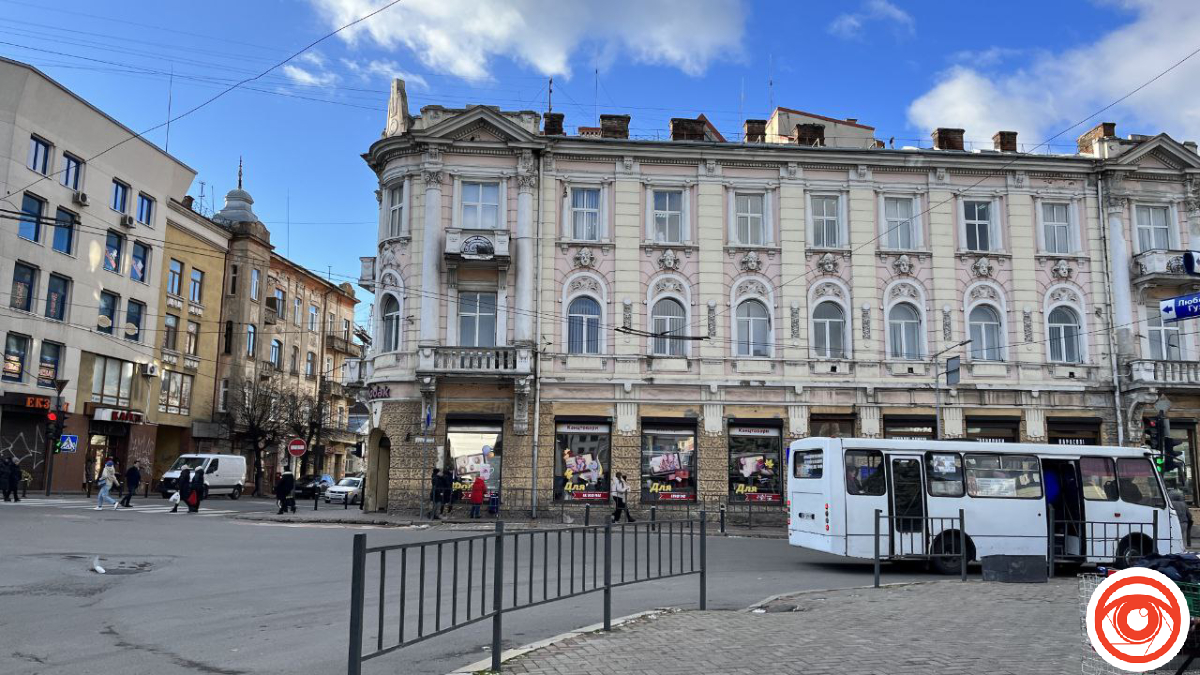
point(908, 524)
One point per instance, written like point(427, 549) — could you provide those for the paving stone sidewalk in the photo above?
point(940, 627)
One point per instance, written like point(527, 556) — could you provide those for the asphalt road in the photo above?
point(230, 597)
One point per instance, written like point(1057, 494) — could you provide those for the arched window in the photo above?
point(310, 365)
point(251, 344)
point(583, 326)
point(1064, 336)
point(668, 318)
point(391, 323)
point(277, 354)
point(753, 329)
point(829, 331)
point(904, 329)
point(987, 338)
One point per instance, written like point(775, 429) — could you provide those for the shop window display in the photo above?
point(583, 451)
point(668, 464)
point(754, 462)
point(475, 450)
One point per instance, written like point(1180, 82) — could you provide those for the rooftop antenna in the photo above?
point(771, 81)
point(289, 222)
point(202, 184)
point(596, 94)
point(170, 91)
point(550, 97)
point(239, 172)
point(742, 104)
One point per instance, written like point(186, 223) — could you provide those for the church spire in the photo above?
point(239, 172)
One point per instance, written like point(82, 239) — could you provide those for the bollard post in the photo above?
point(962, 541)
point(345, 501)
point(25, 490)
point(607, 577)
point(316, 496)
point(1154, 544)
point(653, 511)
point(722, 513)
point(703, 560)
point(498, 595)
point(357, 591)
point(877, 513)
point(587, 514)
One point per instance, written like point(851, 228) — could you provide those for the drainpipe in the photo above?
point(537, 338)
point(1112, 331)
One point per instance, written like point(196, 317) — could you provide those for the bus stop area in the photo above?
point(945, 627)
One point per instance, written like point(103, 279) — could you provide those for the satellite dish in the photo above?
point(104, 321)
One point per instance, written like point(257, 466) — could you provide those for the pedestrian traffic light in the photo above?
point(52, 430)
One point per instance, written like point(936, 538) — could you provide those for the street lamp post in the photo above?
point(937, 384)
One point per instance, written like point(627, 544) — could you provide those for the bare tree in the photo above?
point(301, 419)
point(253, 414)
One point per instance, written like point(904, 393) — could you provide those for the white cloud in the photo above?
point(1054, 90)
point(852, 24)
point(387, 70)
point(313, 73)
point(462, 37)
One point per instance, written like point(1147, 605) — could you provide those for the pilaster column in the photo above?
point(430, 256)
point(1119, 261)
point(526, 262)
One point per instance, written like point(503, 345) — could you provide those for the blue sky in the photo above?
point(903, 67)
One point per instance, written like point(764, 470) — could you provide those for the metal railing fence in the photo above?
point(920, 538)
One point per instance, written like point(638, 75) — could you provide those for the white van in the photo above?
point(223, 474)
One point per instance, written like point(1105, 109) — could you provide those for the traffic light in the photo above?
point(358, 449)
point(55, 423)
point(1150, 432)
point(1171, 458)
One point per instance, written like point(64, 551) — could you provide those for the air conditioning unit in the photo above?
point(80, 198)
point(150, 370)
point(127, 221)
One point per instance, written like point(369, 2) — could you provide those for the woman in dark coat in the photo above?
point(283, 492)
point(197, 491)
point(183, 485)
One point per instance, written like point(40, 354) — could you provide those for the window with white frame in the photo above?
point(900, 227)
point(829, 331)
point(583, 326)
point(1056, 227)
point(39, 155)
point(668, 319)
point(827, 230)
point(1163, 337)
point(175, 394)
point(668, 216)
point(987, 336)
point(585, 213)
point(904, 331)
point(112, 381)
point(1153, 228)
point(476, 319)
point(978, 221)
point(1065, 336)
point(480, 205)
point(277, 354)
point(251, 341)
point(391, 323)
point(396, 210)
point(753, 329)
point(750, 221)
point(72, 171)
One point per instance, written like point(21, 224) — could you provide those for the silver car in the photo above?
point(346, 490)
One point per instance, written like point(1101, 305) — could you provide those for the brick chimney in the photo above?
point(948, 139)
point(1102, 130)
point(553, 124)
point(614, 126)
point(810, 134)
point(755, 131)
point(188, 200)
point(1005, 141)
point(687, 129)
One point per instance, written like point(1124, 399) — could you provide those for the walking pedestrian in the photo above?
point(108, 480)
point(10, 479)
point(477, 489)
point(183, 488)
point(620, 492)
point(197, 494)
point(448, 491)
point(133, 478)
point(283, 492)
point(435, 493)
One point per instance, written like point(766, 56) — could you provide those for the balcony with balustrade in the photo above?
point(1171, 374)
point(475, 362)
point(1158, 267)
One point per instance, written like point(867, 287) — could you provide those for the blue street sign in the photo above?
point(68, 443)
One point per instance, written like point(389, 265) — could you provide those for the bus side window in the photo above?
point(1003, 476)
point(945, 474)
point(1137, 483)
point(864, 473)
point(808, 464)
point(1099, 479)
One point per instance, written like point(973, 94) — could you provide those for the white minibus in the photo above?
point(1104, 501)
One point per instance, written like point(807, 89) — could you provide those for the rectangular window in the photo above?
point(1163, 337)
point(39, 155)
point(297, 310)
point(668, 464)
point(228, 337)
point(254, 284)
point(23, 284)
point(582, 469)
point(139, 261)
point(750, 222)
point(48, 363)
point(112, 381)
point(345, 329)
point(33, 209)
point(251, 343)
point(15, 349)
point(1003, 476)
point(58, 292)
point(476, 449)
point(1099, 479)
point(174, 277)
point(944, 473)
point(585, 213)
point(114, 246)
point(1137, 482)
point(668, 216)
point(134, 311)
point(223, 396)
point(64, 231)
point(170, 331)
point(754, 464)
point(808, 463)
point(175, 396)
point(477, 319)
point(480, 205)
point(977, 218)
point(281, 302)
point(1056, 227)
point(196, 290)
point(1153, 228)
point(901, 232)
point(108, 312)
point(233, 279)
point(396, 211)
point(192, 348)
point(72, 171)
point(310, 365)
point(864, 473)
point(312, 318)
point(145, 209)
point(120, 196)
point(827, 232)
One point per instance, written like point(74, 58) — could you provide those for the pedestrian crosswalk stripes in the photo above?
point(78, 505)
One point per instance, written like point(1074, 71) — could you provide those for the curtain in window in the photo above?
point(753, 329)
point(668, 318)
point(829, 330)
point(583, 326)
point(904, 326)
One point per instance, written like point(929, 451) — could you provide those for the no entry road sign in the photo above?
point(297, 447)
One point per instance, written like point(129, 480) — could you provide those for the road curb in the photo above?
point(780, 596)
point(485, 665)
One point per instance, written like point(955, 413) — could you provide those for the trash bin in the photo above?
point(1015, 569)
point(493, 503)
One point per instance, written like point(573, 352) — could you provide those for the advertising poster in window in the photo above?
point(582, 462)
point(668, 464)
point(475, 451)
point(754, 464)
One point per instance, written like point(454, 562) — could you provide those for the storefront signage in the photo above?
point(27, 401)
point(666, 495)
point(113, 415)
point(582, 428)
point(762, 432)
point(379, 392)
point(668, 432)
point(771, 498)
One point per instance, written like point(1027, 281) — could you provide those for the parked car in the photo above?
point(311, 485)
point(347, 489)
point(223, 474)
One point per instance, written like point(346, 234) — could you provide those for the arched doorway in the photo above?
point(379, 465)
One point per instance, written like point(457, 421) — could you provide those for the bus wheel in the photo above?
point(1132, 549)
point(949, 561)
